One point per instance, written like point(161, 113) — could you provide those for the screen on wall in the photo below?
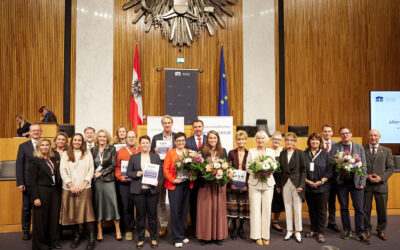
point(385, 115)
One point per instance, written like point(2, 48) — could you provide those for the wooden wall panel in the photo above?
point(155, 51)
point(336, 51)
point(31, 60)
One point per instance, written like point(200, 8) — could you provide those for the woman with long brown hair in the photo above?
point(211, 199)
point(77, 169)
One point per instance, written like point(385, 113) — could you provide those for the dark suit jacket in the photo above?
point(23, 129)
point(160, 137)
point(109, 162)
point(332, 143)
point(382, 165)
point(51, 117)
point(295, 170)
point(322, 169)
point(40, 175)
point(356, 149)
point(25, 154)
point(191, 143)
point(135, 166)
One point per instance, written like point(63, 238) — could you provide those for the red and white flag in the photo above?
point(136, 108)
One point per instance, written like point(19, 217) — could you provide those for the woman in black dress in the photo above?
point(23, 125)
point(45, 189)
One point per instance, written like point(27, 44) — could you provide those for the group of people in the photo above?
point(23, 124)
point(88, 182)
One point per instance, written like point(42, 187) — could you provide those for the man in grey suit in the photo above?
point(25, 154)
point(195, 143)
point(327, 133)
point(166, 135)
point(354, 185)
point(380, 165)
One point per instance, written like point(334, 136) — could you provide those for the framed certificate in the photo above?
point(163, 147)
point(150, 174)
point(239, 178)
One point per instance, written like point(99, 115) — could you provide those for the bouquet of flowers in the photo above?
point(219, 172)
point(346, 163)
point(189, 164)
point(263, 166)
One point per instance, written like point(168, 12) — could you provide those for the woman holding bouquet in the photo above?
point(292, 182)
point(145, 197)
point(178, 190)
point(211, 199)
point(261, 191)
point(318, 185)
point(238, 198)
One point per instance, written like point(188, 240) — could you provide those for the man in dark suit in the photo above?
point(354, 185)
point(380, 165)
point(25, 153)
point(327, 133)
point(166, 135)
point(195, 143)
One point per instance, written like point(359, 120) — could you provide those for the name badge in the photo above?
point(312, 166)
point(99, 168)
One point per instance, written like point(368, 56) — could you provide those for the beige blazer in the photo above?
point(254, 181)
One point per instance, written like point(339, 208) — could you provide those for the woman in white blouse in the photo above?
point(76, 169)
point(260, 193)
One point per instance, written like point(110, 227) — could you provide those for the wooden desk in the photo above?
point(49, 130)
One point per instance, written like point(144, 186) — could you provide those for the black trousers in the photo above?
point(193, 205)
point(381, 209)
point(127, 207)
point(26, 209)
point(316, 203)
point(357, 196)
point(146, 206)
point(332, 204)
point(45, 218)
point(178, 204)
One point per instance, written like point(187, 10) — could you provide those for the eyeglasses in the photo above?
point(180, 140)
point(290, 140)
point(276, 139)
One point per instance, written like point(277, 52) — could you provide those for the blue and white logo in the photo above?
point(379, 99)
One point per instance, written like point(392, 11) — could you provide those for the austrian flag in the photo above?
point(136, 108)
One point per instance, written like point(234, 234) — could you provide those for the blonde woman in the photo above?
point(105, 195)
point(120, 135)
point(238, 198)
point(22, 125)
point(45, 182)
point(292, 183)
point(260, 193)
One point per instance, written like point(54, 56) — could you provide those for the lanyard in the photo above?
point(129, 151)
point(101, 155)
point(313, 158)
point(50, 164)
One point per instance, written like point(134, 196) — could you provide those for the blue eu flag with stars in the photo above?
point(223, 104)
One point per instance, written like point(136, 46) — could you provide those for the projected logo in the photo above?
point(379, 99)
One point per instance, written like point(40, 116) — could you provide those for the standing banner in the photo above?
point(154, 125)
point(223, 125)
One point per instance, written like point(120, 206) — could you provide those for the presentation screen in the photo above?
point(385, 115)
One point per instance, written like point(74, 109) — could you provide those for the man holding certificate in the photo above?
point(123, 156)
point(178, 186)
point(160, 145)
point(145, 171)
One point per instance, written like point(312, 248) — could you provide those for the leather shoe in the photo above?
point(26, 236)
point(259, 242)
point(368, 234)
point(333, 227)
point(140, 244)
point(382, 236)
point(57, 246)
point(162, 232)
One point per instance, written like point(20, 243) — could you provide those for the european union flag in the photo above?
point(223, 104)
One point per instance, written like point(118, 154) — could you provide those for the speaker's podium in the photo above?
point(49, 130)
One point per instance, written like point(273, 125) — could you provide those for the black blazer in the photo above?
point(25, 154)
point(191, 143)
point(322, 169)
point(40, 175)
point(109, 162)
point(233, 158)
point(135, 166)
point(295, 170)
point(23, 129)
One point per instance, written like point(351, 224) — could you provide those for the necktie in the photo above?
point(199, 143)
point(374, 151)
point(327, 147)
